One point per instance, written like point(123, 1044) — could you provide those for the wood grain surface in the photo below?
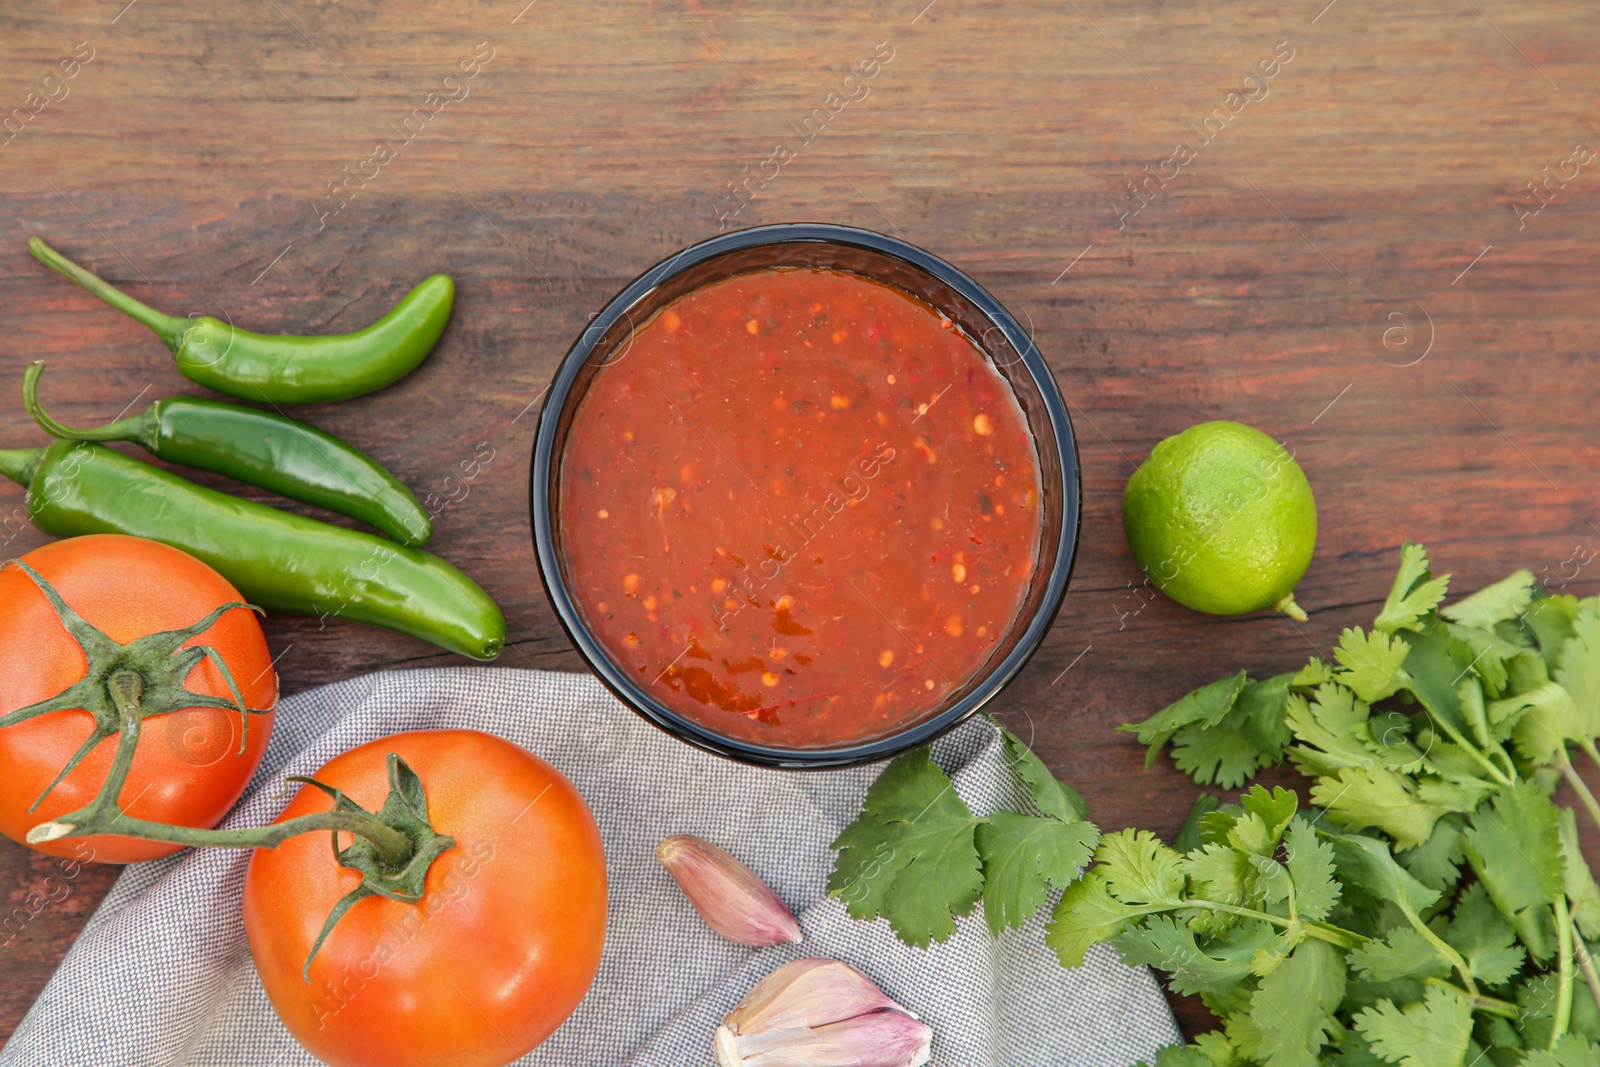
point(1342, 252)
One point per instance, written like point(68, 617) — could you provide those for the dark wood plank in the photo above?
point(189, 154)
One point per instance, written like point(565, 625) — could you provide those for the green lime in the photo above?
point(1222, 519)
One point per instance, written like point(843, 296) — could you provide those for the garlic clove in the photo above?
point(729, 896)
point(808, 993)
point(879, 1039)
point(820, 1013)
point(883, 1039)
point(727, 1048)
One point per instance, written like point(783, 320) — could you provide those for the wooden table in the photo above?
point(1343, 252)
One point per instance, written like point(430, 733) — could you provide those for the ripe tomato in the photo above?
point(499, 951)
point(187, 769)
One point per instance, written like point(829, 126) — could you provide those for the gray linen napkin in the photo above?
point(162, 973)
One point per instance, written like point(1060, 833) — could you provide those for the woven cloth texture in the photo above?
point(162, 973)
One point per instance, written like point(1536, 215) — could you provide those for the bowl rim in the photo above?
point(543, 469)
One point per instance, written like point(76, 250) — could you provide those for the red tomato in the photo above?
point(187, 769)
point(499, 951)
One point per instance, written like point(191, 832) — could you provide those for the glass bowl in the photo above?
point(884, 259)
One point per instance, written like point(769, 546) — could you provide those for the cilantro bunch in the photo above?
point(918, 857)
point(1428, 908)
point(1434, 909)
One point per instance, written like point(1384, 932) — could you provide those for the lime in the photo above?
point(1222, 519)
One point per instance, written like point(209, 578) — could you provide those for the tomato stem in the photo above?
point(393, 845)
point(105, 814)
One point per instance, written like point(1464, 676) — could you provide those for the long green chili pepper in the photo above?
point(282, 368)
point(275, 559)
point(259, 448)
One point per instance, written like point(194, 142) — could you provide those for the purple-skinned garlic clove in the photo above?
point(879, 1039)
point(808, 993)
point(820, 1013)
point(729, 896)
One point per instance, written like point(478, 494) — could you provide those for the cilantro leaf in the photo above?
point(1579, 672)
point(1270, 811)
point(1371, 663)
point(1022, 857)
point(1310, 864)
point(1514, 848)
point(1540, 721)
point(1086, 915)
point(1258, 715)
point(1491, 653)
point(1525, 673)
point(1362, 797)
point(1434, 667)
point(1550, 621)
point(1271, 884)
point(1431, 1033)
point(1436, 863)
point(1570, 1051)
point(1054, 797)
point(1504, 600)
point(1367, 862)
point(1180, 1056)
point(1218, 1050)
point(1356, 1051)
point(1215, 756)
point(1401, 953)
point(1314, 673)
point(1139, 869)
point(910, 855)
point(1217, 825)
point(1242, 1033)
point(1266, 814)
point(1333, 733)
point(1249, 735)
point(1271, 955)
point(1188, 838)
point(1205, 706)
point(1293, 1006)
point(1498, 1032)
point(1415, 592)
point(1484, 938)
point(1221, 874)
point(1461, 795)
point(1166, 943)
point(1577, 880)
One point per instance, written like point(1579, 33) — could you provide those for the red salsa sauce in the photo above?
point(801, 507)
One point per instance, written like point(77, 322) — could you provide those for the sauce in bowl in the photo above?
point(800, 506)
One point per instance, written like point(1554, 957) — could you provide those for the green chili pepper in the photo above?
point(275, 559)
point(259, 448)
point(280, 368)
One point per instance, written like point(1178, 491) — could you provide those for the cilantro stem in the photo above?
point(1333, 935)
point(1443, 948)
point(1564, 990)
point(1470, 749)
point(1497, 749)
point(1579, 786)
point(1594, 753)
point(1480, 1001)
